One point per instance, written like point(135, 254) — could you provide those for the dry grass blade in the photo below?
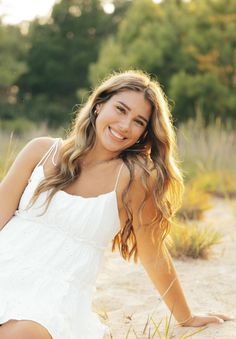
point(156, 328)
point(185, 336)
point(207, 148)
point(167, 325)
point(127, 334)
point(8, 156)
point(135, 333)
point(146, 324)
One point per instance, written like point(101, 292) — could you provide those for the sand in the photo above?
point(126, 298)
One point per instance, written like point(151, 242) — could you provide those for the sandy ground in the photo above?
point(127, 297)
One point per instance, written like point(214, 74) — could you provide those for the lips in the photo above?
point(116, 135)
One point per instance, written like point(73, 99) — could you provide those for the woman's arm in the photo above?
point(161, 270)
point(14, 183)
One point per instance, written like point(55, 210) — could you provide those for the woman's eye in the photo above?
point(121, 109)
point(140, 123)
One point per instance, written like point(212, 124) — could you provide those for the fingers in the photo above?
point(214, 319)
point(220, 316)
point(203, 320)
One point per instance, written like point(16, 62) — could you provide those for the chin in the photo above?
point(114, 149)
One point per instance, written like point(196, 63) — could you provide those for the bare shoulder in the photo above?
point(13, 184)
point(28, 157)
point(37, 147)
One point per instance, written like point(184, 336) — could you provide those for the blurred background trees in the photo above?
point(189, 46)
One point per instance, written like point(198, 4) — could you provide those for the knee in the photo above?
point(24, 329)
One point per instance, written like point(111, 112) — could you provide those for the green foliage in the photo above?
point(17, 126)
point(111, 58)
point(55, 113)
point(181, 43)
point(132, 46)
point(209, 85)
point(13, 47)
point(60, 54)
point(63, 48)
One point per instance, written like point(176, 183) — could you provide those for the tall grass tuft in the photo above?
point(7, 153)
point(221, 183)
point(208, 160)
point(195, 202)
point(207, 148)
point(191, 240)
point(163, 329)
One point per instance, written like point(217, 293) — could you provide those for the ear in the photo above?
point(98, 108)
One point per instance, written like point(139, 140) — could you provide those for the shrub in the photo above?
point(19, 126)
point(195, 202)
point(191, 240)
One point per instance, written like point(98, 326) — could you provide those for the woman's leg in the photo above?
point(23, 329)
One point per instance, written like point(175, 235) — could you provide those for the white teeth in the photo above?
point(116, 134)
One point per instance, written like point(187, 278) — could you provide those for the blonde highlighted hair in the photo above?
point(155, 153)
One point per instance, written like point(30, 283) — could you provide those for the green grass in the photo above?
point(207, 149)
point(191, 240)
point(221, 183)
point(195, 202)
point(9, 147)
point(163, 329)
point(208, 159)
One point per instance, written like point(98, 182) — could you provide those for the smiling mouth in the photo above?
point(116, 135)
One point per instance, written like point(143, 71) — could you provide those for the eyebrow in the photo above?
point(129, 109)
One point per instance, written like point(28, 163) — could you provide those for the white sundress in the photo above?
point(49, 263)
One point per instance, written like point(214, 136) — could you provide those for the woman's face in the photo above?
point(122, 120)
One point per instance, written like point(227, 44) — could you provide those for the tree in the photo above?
point(60, 54)
point(181, 43)
point(13, 47)
point(210, 44)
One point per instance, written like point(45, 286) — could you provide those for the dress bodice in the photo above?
point(91, 219)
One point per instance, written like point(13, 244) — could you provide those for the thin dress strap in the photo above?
point(118, 176)
point(54, 148)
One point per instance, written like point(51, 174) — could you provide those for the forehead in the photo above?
point(135, 101)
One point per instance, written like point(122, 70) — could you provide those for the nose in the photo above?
point(124, 124)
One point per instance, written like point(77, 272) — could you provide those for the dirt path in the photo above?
point(128, 298)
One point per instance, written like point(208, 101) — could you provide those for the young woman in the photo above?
point(114, 177)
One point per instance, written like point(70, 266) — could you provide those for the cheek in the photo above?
point(105, 118)
point(101, 124)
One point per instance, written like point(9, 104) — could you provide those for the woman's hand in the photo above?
point(202, 320)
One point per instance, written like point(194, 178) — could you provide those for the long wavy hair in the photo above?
point(154, 153)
